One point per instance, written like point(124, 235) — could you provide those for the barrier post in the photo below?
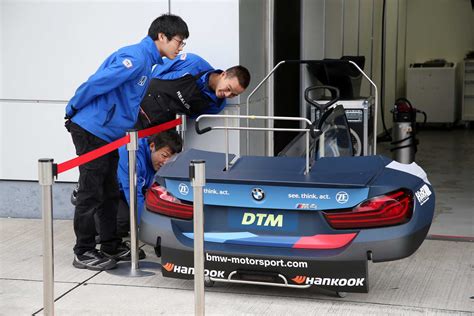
point(134, 270)
point(45, 179)
point(181, 128)
point(132, 147)
point(197, 175)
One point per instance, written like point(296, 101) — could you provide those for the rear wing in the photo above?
point(310, 130)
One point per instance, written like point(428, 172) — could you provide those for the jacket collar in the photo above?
point(204, 80)
point(151, 48)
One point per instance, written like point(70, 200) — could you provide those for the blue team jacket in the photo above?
point(107, 104)
point(145, 173)
point(193, 64)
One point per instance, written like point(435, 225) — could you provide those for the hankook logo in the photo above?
point(258, 194)
point(352, 282)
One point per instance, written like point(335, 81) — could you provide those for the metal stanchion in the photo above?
point(45, 177)
point(181, 129)
point(132, 165)
point(197, 175)
point(134, 270)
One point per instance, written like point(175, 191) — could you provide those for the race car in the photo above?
point(271, 221)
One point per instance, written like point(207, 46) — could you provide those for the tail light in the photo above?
point(386, 210)
point(159, 200)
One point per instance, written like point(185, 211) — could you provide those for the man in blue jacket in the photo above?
point(101, 111)
point(189, 84)
point(153, 152)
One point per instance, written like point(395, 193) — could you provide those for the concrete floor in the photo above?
point(437, 280)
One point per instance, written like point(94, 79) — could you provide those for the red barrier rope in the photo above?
point(91, 155)
point(159, 128)
point(96, 153)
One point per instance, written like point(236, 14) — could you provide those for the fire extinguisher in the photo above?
point(404, 142)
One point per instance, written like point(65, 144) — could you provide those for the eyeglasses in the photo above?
point(181, 43)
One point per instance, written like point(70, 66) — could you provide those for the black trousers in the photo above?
point(123, 218)
point(98, 194)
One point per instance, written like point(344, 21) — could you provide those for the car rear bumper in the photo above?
point(339, 269)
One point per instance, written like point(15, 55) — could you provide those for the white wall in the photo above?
point(334, 23)
point(48, 48)
point(351, 20)
point(401, 45)
point(447, 32)
point(53, 46)
point(2, 27)
point(252, 37)
point(214, 35)
point(213, 28)
point(366, 11)
point(312, 40)
point(392, 51)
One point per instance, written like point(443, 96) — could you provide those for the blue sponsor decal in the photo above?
point(271, 197)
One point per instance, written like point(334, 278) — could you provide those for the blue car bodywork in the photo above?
point(267, 221)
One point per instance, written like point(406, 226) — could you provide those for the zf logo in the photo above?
point(423, 194)
point(183, 189)
point(342, 197)
point(260, 219)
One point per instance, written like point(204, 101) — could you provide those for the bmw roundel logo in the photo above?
point(258, 194)
point(183, 189)
point(342, 197)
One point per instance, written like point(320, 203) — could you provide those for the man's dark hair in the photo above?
point(168, 138)
point(242, 74)
point(169, 24)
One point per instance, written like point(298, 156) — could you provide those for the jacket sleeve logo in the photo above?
point(142, 81)
point(127, 63)
point(183, 101)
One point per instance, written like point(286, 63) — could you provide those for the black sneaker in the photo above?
point(123, 253)
point(93, 260)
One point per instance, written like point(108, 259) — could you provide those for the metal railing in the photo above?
point(310, 130)
point(308, 62)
